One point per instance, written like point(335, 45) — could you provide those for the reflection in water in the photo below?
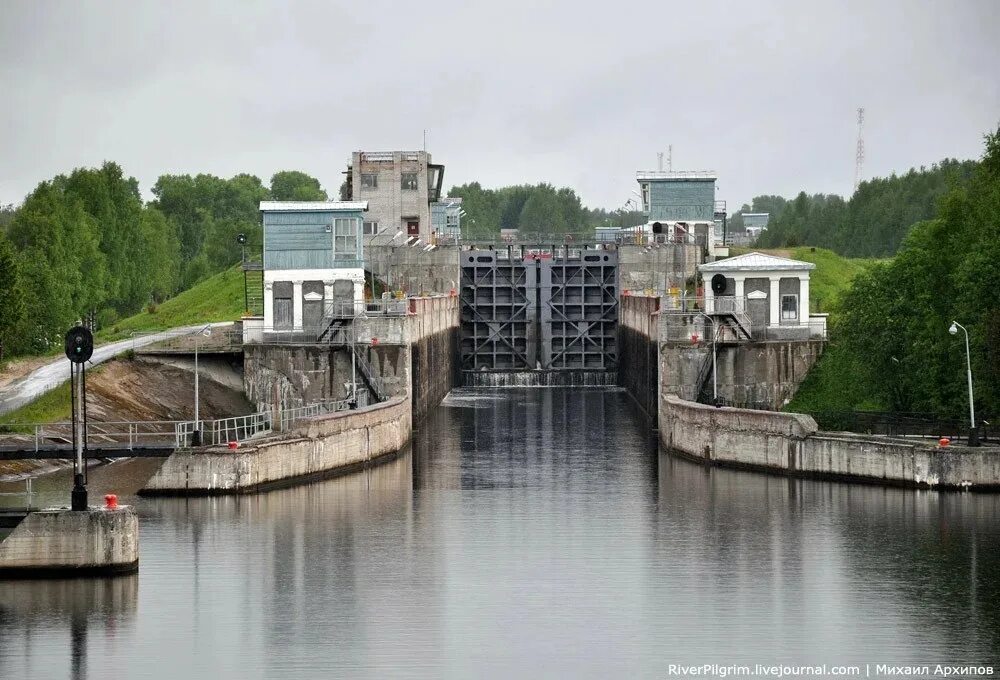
point(529, 532)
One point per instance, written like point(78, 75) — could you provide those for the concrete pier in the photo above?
point(61, 543)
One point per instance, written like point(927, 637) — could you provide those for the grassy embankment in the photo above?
point(829, 385)
point(218, 298)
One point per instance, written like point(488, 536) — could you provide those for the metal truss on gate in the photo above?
point(520, 312)
point(579, 311)
point(498, 311)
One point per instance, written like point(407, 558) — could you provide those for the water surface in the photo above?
point(528, 532)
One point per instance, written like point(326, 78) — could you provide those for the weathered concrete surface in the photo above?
point(758, 374)
point(414, 270)
point(790, 443)
point(638, 363)
point(320, 446)
point(432, 335)
point(414, 354)
point(660, 268)
point(60, 543)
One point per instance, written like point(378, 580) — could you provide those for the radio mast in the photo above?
point(859, 159)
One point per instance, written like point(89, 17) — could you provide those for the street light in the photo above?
point(973, 432)
point(196, 435)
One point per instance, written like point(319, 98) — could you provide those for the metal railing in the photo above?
point(27, 494)
point(129, 434)
point(335, 309)
point(307, 335)
point(228, 339)
point(222, 431)
point(902, 424)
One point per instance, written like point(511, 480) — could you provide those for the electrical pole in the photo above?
point(859, 156)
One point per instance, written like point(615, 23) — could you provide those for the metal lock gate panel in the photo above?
point(578, 296)
point(553, 313)
point(499, 310)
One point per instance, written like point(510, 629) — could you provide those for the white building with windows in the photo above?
point(313, 261)
point(768, 292)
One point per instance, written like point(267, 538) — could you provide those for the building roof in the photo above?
point(675, 174)
point(754, 262)
point(312, 206)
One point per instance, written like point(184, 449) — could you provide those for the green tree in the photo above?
point(292, 185)
point(12, 306)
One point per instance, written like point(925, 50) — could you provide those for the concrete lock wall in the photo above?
point(659, 268)
point(322, 445)
point(790, 443)
point(419, 371)
point(433, 351)
point(760, 374)
point(67, 543)
point(638, 363)
point(414, 270)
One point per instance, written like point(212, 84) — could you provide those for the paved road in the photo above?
point(51, 375)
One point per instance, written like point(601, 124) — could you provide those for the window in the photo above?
point(370, 228)
point(645, 196)
point(408, 181)
point(789, 307)
point(369, 180)
point(345, 238)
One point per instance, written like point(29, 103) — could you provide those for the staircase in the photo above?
point(253, 287)
point(701, 382)
point(373, 380)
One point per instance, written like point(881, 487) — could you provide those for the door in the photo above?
point(413, 227)
point(283, 305)
point(312, 304)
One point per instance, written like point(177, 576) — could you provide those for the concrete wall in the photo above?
point(671, 264)
point(638, 363)
point(790, 443)
point(412, 269)
point(433, 352)
point(325, 445)
point(67, 543)
point(758, 374)
point(416, 354)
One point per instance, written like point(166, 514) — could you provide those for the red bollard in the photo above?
point(111, 502)
point(234, 445)
point(943, 442)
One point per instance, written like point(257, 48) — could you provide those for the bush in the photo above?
point(152, 308)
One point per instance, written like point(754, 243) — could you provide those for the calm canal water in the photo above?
point(527, 533)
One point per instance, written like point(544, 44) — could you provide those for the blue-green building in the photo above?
point(313, 257)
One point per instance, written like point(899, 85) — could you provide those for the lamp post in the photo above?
point(196, 435)
point(973, 432)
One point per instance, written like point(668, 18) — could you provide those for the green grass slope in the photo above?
point(832, 276)
point(218, 298)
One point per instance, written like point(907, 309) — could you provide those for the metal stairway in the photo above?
point(373, 380)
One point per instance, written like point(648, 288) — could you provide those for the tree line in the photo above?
point(534, 209)
point(874, 222)
point(890, 344)
point(87, 242)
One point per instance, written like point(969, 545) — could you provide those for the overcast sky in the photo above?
point(577, 93)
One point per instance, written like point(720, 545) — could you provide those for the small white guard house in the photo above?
point(313, 259)
point(771, 293)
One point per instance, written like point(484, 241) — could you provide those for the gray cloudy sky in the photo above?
point(578, 93)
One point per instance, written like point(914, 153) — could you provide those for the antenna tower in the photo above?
point(670, 158)
point(859, 159)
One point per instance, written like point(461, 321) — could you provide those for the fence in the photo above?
point(129, 434)
point(901, 424)
point(240, 428)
